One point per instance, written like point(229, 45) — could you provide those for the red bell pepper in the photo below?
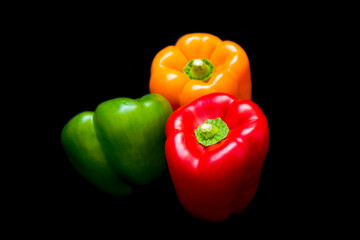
point(215, 149)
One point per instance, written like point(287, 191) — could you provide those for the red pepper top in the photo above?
point(221, 179)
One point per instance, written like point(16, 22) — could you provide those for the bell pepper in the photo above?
point(121, 145)
point(215, 150)
point(199, 64)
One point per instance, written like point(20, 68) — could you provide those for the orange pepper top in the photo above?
point(199, 64)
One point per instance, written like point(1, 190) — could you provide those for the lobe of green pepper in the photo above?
point(121, 144)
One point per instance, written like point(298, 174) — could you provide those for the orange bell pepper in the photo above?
point(200, 64)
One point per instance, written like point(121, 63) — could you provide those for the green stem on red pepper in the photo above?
point(211, 132)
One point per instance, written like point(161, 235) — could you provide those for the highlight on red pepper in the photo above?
point(200, 64)
point(215, 150)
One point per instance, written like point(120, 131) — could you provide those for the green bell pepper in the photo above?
point(121, 144)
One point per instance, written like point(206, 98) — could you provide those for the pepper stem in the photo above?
point(208, 130)
point(199, 69)
point(211, 132)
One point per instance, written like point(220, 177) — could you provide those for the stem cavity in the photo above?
point(199, 69)
point(211, 132)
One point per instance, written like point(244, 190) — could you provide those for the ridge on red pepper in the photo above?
point(212, 182)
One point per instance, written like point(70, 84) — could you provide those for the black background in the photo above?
point(84, 58)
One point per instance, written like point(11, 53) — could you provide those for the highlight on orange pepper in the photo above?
point(200, 64)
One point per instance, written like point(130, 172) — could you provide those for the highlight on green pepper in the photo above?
point(121, 144)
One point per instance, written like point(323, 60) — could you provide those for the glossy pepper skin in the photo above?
point(231, 73)
point(121, 144)
point(219, 180)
